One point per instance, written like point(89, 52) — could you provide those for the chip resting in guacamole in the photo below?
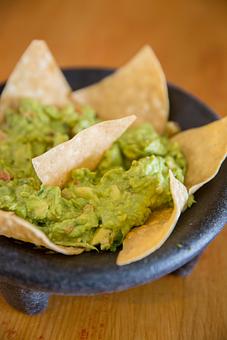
point(94, 208)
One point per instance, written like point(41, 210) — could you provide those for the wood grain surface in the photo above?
point(190, 39)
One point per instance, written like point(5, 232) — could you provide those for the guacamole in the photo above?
point(95, 209)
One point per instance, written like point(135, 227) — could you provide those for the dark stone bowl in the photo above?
point(27, 274)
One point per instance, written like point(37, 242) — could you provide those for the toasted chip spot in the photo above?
point(142, 241)
point(139, 87)
point(37, 76)
point(19, 229)
point(205, 148)
point(83, 150)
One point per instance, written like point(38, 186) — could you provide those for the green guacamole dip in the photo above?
point(95, 208)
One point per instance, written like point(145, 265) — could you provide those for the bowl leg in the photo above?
point(188, 267)
point(25, 300)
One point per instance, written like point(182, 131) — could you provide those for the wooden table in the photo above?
point(190, 38)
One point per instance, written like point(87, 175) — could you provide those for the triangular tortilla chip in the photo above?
point(19, 229)
point(142, 241)
point(205, 148)
point(139, 88)
point(84, 150)
point(37, 76)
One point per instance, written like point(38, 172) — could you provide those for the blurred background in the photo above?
point(190, 40)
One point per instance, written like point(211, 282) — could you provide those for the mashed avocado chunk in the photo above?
point(95, 208)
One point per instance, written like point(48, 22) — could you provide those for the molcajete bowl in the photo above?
point(32, 270)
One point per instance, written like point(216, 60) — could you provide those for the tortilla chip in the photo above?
point(19, 229)
point(205, 149)
point(139, 88)
point(84, 150)
point(142, 241)
point(172, 128)
point(37, 76)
